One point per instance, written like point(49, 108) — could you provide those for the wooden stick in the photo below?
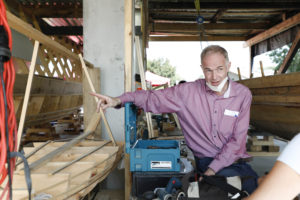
point(143, 81)
point(34, 151)
point(93, 90)
point(261, 68)
point(90, 129)
point(27, 92)
point(80, 158)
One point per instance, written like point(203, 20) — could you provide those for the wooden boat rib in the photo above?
point(73, 181)
point(276, 103)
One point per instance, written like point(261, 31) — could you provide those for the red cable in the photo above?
point(9, 79)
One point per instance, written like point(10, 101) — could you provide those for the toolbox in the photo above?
point(149, 155)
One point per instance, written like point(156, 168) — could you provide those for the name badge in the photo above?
point(231, 113)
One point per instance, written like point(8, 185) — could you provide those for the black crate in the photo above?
point(148, 181)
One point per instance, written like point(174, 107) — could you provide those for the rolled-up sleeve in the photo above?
point(155, 101)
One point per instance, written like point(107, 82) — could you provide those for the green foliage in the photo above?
point(162, 67)
point(278, 55)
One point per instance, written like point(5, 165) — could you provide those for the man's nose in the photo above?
point(214, 75)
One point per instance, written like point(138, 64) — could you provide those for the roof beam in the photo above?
point(283, 26)
point(27, 30)
point(181, 27)
point(60, 30)
point(217, 16)
point(196, 38)
point(225, 4)
point(53, 12)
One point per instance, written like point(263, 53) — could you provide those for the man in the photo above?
point(213, 112)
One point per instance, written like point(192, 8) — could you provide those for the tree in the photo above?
point(162, 67)
point(278, 55)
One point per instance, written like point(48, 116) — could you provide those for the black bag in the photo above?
point(211, 188)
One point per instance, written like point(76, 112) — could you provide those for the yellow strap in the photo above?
point(197, 5)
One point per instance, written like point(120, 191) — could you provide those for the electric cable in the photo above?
point(8, 128)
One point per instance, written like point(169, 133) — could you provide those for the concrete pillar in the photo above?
point(103, 32)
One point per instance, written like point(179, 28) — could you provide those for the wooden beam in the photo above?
point(27, 30)
point(27, 92)
point(128, 44)
point(169, 5)
point(283, 26)
point(291, 79)
point(196, 38)
point(218, 15)
point(183, 27)
point(290, 55)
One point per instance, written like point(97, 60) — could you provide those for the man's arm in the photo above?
point(157, 101)
point(236, 145)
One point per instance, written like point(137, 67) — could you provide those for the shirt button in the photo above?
point(214, 124)
point(215, 111)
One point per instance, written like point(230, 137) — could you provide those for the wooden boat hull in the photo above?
point(74, 181)
point(50, 99)
point(276, 104)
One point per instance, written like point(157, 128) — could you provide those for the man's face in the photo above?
point(215, 68)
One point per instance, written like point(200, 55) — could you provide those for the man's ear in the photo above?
point(228, 65)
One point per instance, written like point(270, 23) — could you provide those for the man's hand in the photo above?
point(208, 172)
point(106, 101)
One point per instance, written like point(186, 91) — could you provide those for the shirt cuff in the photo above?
point(215, 165)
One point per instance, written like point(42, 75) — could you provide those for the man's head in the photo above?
point(215, 64)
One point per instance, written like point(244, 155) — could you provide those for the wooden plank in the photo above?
point(290, 55)
point(291, 79)
point(89, 103)
point(78, 159)
point(128, 43)
point(283, 26)
point(89, 130)
point(258, 154)
point(276, 99)
point(96, 99)
point(27, 92)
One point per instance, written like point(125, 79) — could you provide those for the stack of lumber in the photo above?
point(262, 144)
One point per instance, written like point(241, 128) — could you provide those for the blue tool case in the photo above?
point(149, 155)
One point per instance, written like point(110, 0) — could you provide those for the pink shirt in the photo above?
point(213, 126)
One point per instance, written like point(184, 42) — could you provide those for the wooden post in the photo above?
point(93, 90)
point(128, 51)
point(239, 73)
point(143, 81)
point(27, 91)
point(261, 68)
